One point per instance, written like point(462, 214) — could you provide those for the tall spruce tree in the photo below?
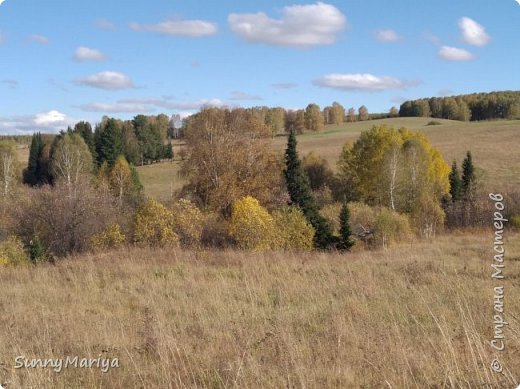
point(32, 175)
point(85, 130)
point(455, 182)
point(468, 177)
point(345, 234)
point(300, 193)
point(109, 142)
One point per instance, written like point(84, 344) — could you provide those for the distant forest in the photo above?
point(475, 106)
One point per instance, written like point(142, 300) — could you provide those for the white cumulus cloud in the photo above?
point(48, 122)
point(88, 54)
point(107, 80)
point(362, 82)
point(473, 33)
point(387, 36)
point(193, 28)
point(455, 54)
point(50, 118)
point(1, 2)
point(299, 26)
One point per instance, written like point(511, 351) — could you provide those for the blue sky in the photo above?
point(65, 61)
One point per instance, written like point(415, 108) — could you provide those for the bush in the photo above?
point(251, 225)
point(433, 123)
point(12, 252)
point(154, 225)
point(189, 222)
point(37, 252)
point(112, 237)
point(62, 221)
point(427, 217)
point(391, 227)
point(215, 232)
point(293, 231)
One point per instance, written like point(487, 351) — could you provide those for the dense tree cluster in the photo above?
point(476, 106)
point(398, 169)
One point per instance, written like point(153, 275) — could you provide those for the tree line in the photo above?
point(476, 106)
point(83, 191)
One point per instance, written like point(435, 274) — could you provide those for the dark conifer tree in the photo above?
point(455, 182)
point(109, 142)
point(301, 195)
point(85, 130)
point(33, 172)
point(345, 234)
point(468, 177)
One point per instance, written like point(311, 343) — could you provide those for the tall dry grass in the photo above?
point(413, 316)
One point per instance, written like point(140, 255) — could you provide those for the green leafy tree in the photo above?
point(300, 194)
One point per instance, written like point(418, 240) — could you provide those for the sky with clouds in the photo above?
point(65, 61)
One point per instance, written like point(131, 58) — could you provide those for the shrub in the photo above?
point(62, 220)
point(189, 222)
point(154, 225)
point(112, 237)
point(427, 217)
point(292, 230)
point(433, 123)
point(391, 227)
point(251, 225)
point(12, 252)
point(215, 232)
point(37, 252)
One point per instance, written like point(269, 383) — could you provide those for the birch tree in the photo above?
point(8, 168)
point(71, 160)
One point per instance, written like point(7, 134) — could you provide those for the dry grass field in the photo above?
point(414, 316)
point(494, 145)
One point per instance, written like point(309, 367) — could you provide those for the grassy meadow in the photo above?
point(414, 316)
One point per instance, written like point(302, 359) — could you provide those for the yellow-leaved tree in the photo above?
point(189, 222)
point(112, 237)
point(12, 252)
point(398, 169)
point(293, 231)
point(251, 225)
point(154, 225)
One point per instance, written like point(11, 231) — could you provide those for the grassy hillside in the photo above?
point(495, 146)
point(418, 315)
